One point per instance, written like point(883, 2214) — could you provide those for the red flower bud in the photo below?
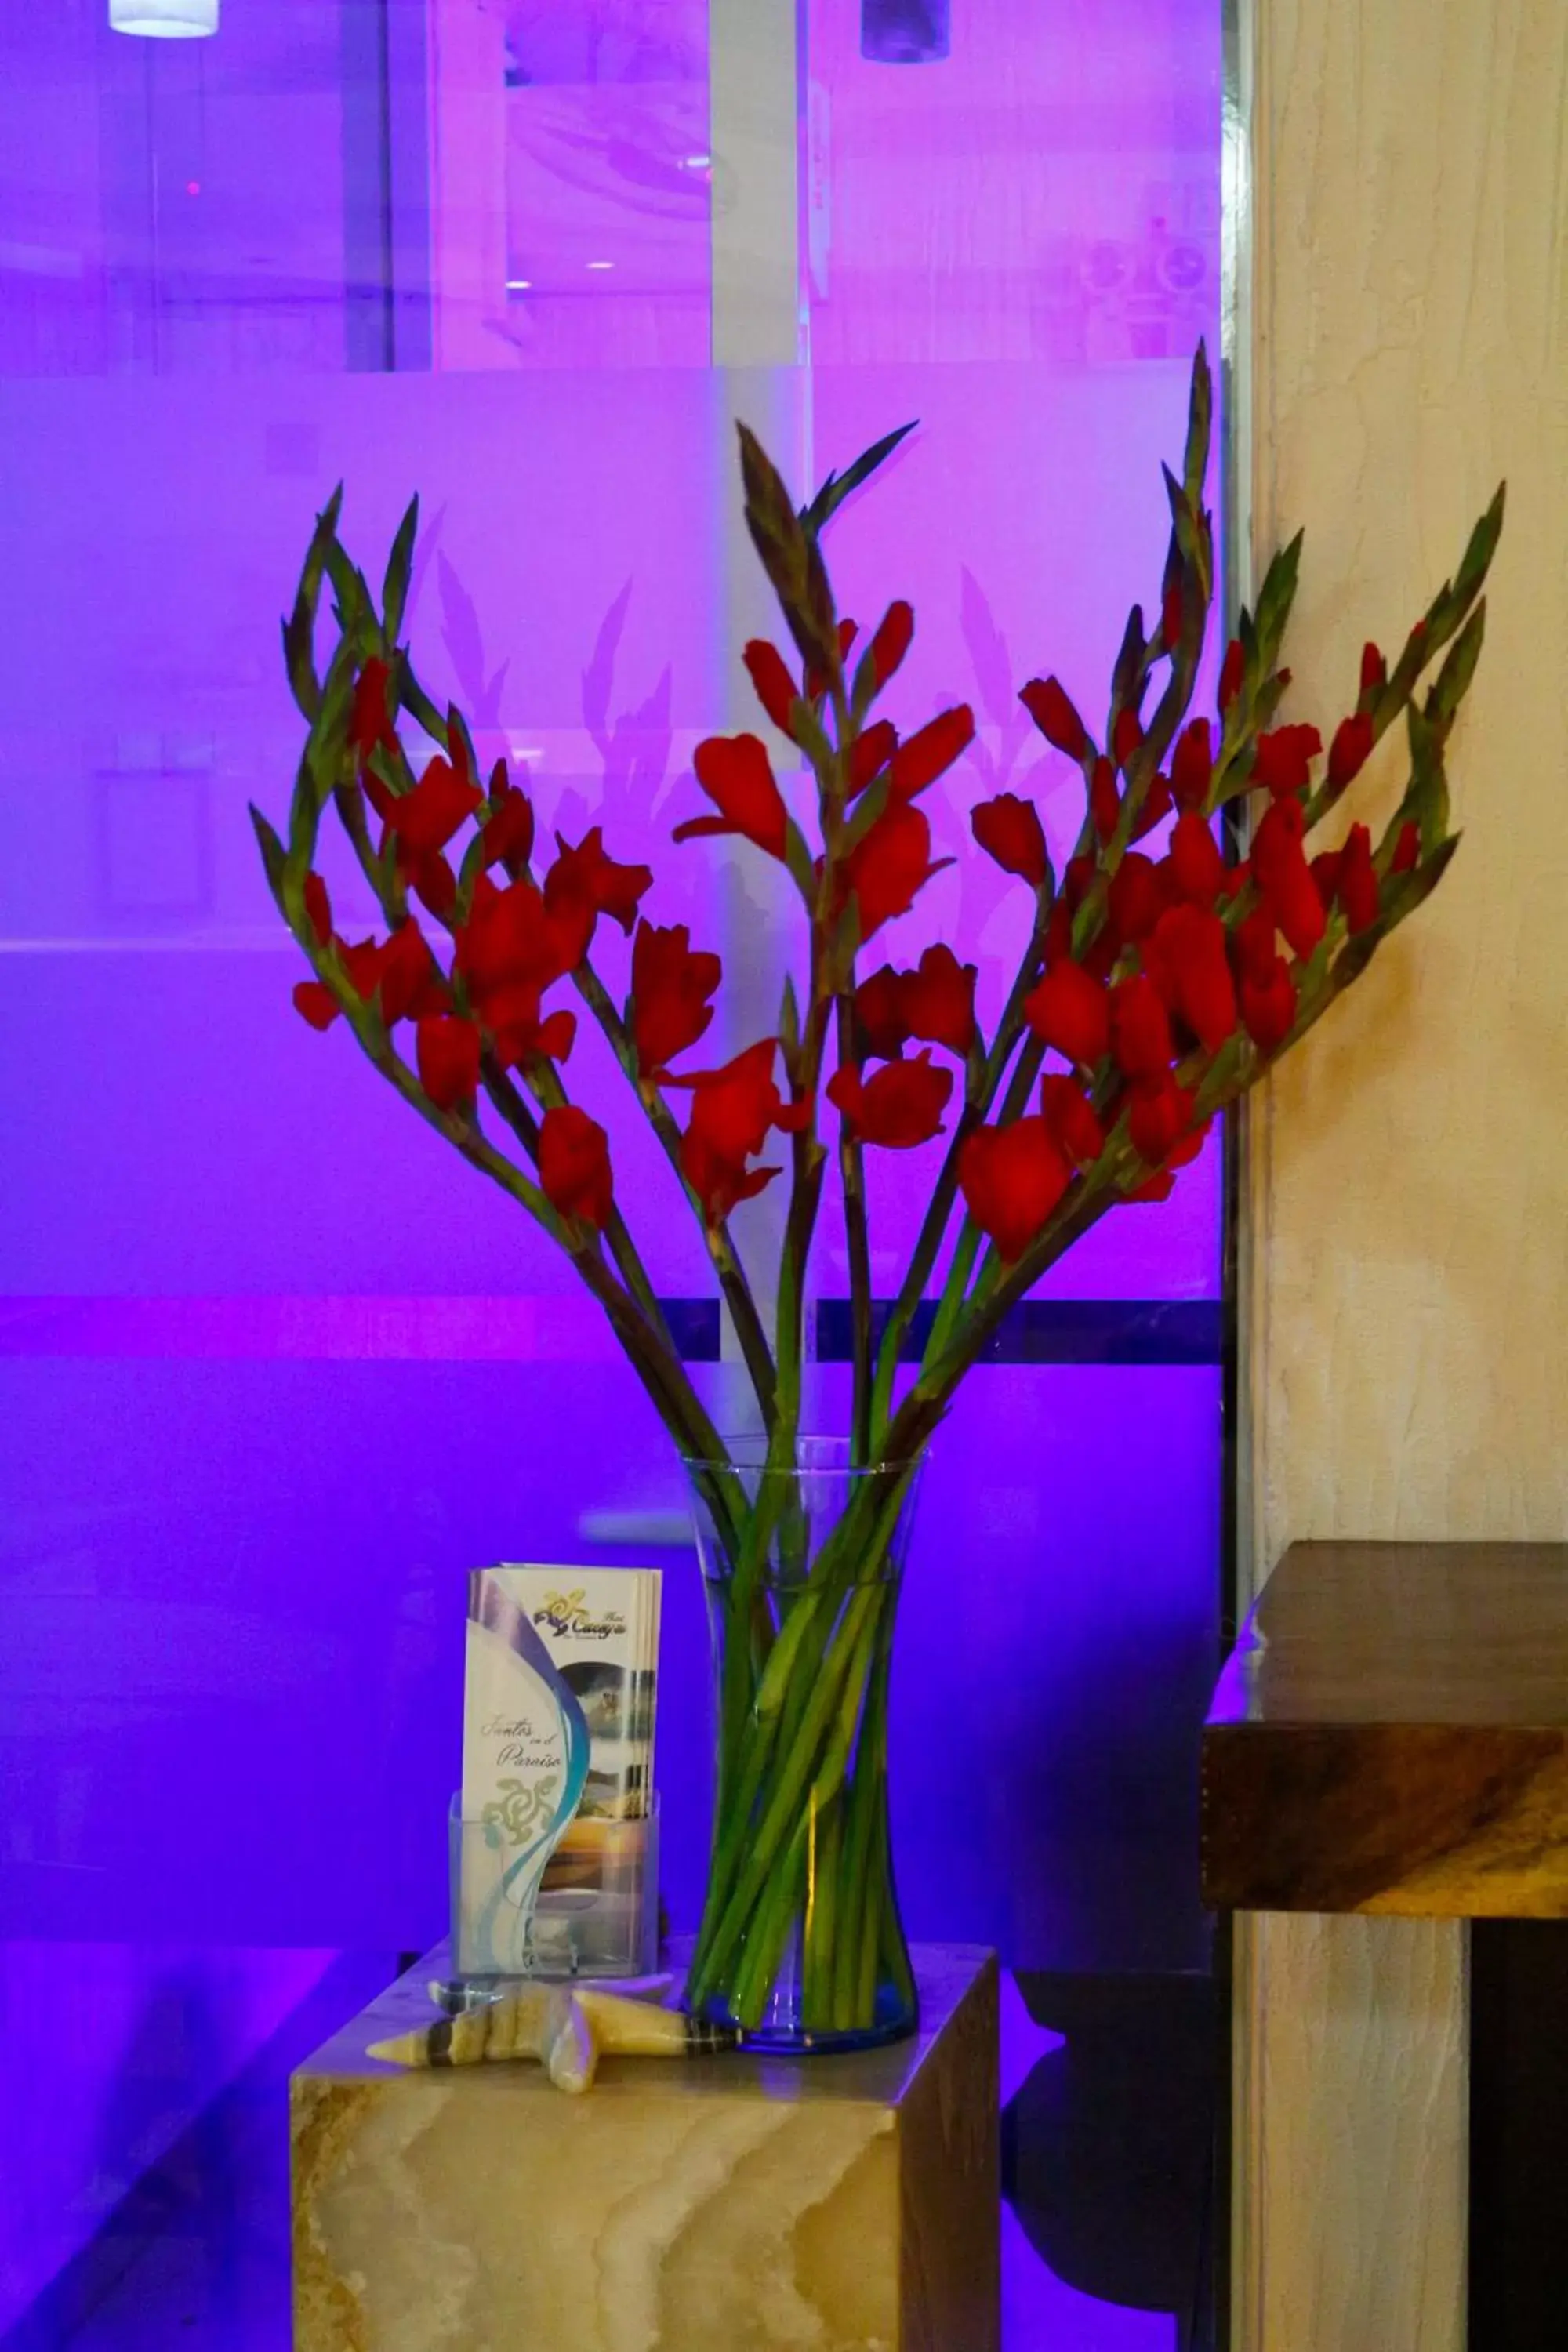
point(1137, 898)
point(1157, 804)
point(1192, 769)
point(1126, 736)
point(447, 1049)
point(1008, 829)
point(412, 986)
point(1268, 1005)
point(1358, 893)
point(1279, 864)
point(939, 1000)
point(1254, 943)
point(923, 757)
point(1281, 758)
point(892, 639)
point(1072, 1118)
point(899, 1108)
point(318, 908)
point(1233, 670)
point(508, 835)
point(424, 821)
point(880, 1011)
point(672, 983)
point(1076, 880)
point(315, 1001)
point(1406, 849)
point(1140, 1030)
point(575, 1164)
point(1011, 1178)
point(1157, 1117)
point(1071, 1012)
point(871, 752)
point(1171, 616)
point(370, 722)
point(888, 864)
point(1374, 669)
point(1104, 806)
point(1197, 865)
point(1350, 749)
point(1049, 705)
point(774, 685)
point(737, 775)
point(1186, 960)
point(1325, 873)
point(1058, 935)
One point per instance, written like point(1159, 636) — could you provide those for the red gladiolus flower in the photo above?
point(892, 640)
point(1071, 1117)
point(871, 755)
point(511, 941)
point(370, 722)
point(1140, 1030)
point(1280, 864)
point(1406, 849)
point(412, 986)
point(1186, 960)
point(1192, 767)
point(929, 754)
point(1283, 759)
point(937, 1000)
point(732, 1111)
point(424, 821)
point(1137, 898)
point(1350, 749)
point(672, 983)
point(1104, 806)
point(1076, 877)
point(1125, 736)
point(318, 908)
point(1058, 935)
point(1254, 944)
point(1009, 830)
point(880, 1011)
point(1196, 867)
point(1071, 1012)
point(1358, 893)
point(890, 864)
point(1374, 669)
point(1011, 1178)
point(1233, 670)
point(1157, 1117)
point(507, 834)
point(575, 1164)
point(585, 878)
point(447, 1048)
point(1171, 616)
point(736, 774)
point(315, 1001)
point(1157, 804)
point(519, 1034)
point(775, 689)
point(899, 1108)
point(1268, 1005)
point(1325, 872)
point(1158, 1187)
point(1050, 707)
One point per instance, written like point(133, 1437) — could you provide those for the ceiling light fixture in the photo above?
point(164, 20)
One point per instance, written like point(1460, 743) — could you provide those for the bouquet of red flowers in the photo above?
point(1161, 980)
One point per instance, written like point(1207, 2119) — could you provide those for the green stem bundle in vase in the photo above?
point(1160, 980)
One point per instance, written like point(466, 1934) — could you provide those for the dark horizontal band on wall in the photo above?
point(1040, 1332)
point(1059, 1331)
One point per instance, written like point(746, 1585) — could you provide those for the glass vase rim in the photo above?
point(829, 1455)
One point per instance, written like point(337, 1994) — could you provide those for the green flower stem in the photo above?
point(852, 1175)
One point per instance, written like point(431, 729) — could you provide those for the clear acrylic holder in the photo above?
point(595, 1913)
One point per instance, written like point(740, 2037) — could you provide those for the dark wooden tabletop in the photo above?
point(1391, 1733)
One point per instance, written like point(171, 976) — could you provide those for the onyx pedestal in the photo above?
point(725, 2204)
point(1391, 1735)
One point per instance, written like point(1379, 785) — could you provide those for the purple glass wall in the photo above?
point(273, 1373)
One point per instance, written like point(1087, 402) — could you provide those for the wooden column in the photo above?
point(1407, 1291)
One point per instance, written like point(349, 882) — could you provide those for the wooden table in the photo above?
point(1391, 1735)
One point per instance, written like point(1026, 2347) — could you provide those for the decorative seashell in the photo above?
point(564, 2030)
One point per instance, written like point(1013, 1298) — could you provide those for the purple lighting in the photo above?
point(905, 32)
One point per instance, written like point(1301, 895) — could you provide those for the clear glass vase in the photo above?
point(801, 1944)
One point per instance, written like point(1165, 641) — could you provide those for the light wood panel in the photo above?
point(1408, 1289)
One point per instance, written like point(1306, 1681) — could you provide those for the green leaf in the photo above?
point(838, 486)
point(1453, 680)
point(789, 1024)
point(299, 627)
point(1276, 596)
point(273, 854)
point(790, 556)
point(1127, 675)
point(399, 566)
point(1476, 562)
point(1200, 426)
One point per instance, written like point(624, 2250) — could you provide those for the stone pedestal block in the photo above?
point(731, 2204)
